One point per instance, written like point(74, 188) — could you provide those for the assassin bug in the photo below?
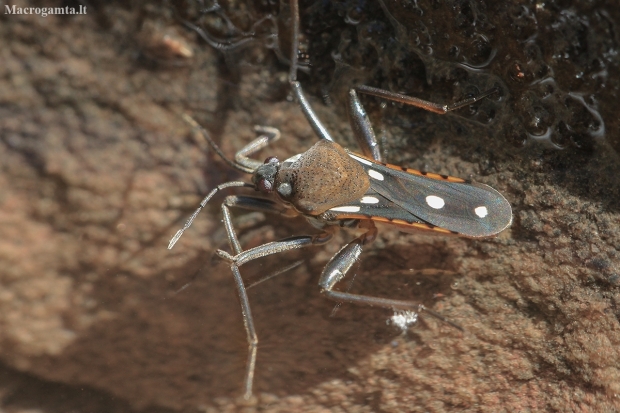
point(332, 188)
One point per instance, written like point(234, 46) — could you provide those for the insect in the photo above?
point(335, 188)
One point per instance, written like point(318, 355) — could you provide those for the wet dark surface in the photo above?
point(99, 170)
point(552, 61)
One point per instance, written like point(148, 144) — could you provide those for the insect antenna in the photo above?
point(202, 205)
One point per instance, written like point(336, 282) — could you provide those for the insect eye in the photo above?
point(265, 186)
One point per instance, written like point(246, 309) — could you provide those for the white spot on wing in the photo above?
point(435, 202)
point(376, 175)
point(369, 200)
point(346, 209)
point(360, 160)
point(481, 211)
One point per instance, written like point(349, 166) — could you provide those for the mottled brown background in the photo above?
point(98, 170)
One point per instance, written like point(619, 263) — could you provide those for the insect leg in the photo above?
point(267, 135)
point(242, 162)
point(305, 106)
point(251, 203)
point(243, 258)
point(337, 268)
point(362, 128)
point(424, 104)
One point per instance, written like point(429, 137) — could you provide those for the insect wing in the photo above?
point(470, 209)
point(373, 205)
point(377, 208)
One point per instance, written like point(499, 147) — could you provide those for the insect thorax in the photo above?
point(323, 177)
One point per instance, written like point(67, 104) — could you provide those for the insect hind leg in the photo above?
point(337, 268)
point(425, 104)
point(362, 128)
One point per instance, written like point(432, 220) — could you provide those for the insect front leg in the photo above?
point(243, 258)
point(241, 162)
point(266, 136)
point(250, 203)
